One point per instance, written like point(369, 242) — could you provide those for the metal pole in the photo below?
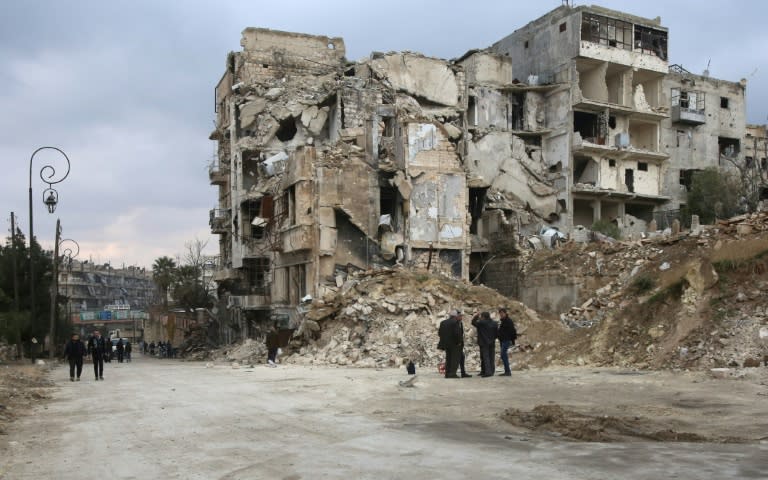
point(54, 291)
point(31, 223)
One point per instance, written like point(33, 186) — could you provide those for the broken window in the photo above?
point(729, 147)
point(749, 162)
point(651, 41)
point(606, 31)
point(686, 178)
point(629, 180)
point(476, 205)
point(389, 201)
point(642, 166)
point(472, 111)
point(516, 118)
point(611, 162)
point(691, 100)
point(589, 127)
point(563, 27)
point(585, 170)
point(764, 163)
point(256, 272)
point(288, 206)
point(723, 102)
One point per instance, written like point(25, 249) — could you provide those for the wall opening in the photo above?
point(686, 178)
point(639, 210)
point(642, 166)
point(723, 102)
point(588, 126)
point(287, 129)
point(728, 147)
point(583, 213)
point(644, 136)
point(585, 170)
point(256, 272)
point(629, 180)
point(476, 206)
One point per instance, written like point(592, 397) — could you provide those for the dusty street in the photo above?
point(174, 420)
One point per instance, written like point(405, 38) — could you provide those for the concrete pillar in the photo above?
point(597, 210)
point(695, 223)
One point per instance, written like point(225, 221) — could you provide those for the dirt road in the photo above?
point(173, 420)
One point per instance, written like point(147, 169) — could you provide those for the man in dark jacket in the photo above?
point(507, 337)
point(451, 340)
point(75, 351)
point(120, 350)
point(97, 348)
point(486, 340)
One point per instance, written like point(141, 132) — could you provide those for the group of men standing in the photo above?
point(451, 334)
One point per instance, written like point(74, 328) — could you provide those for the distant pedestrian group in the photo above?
point(451, 341)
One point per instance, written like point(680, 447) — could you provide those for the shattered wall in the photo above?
point(692, 146)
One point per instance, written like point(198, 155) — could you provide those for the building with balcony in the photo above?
point(604, 129)
point(326, 166)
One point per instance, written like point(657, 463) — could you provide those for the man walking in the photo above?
point(507, 337)
point(486, 340)
point(75, 351)
point(451, 336)
point(97, 348)
point(120, 350)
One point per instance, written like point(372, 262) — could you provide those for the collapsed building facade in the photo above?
point(326, 166)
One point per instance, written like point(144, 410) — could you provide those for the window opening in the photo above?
point(629, 180)
point(651, 41)
point(476, 205)
point(606, 31)
point(642, 166)
point(563, 27)
point(723, 102)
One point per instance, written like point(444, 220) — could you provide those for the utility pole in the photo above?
point(54, 290)
point(14, 253)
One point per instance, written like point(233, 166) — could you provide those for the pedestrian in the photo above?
point(75, 351)
point(451, 335)
point(272, 342)
point(128, 349)
point(486, 340)
point(168, 349)
point(462, 357)
point(120, 350)
point(152, 348)
point(97, 349)
point(507, 337)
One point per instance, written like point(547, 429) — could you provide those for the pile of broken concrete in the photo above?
point(387, 317)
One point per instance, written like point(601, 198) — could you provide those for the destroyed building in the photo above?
point(706, 128)
point(326, 166)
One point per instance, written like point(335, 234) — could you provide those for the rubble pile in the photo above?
point(197, 345)
point(384, 318)
point(249, 352)
point(691, 300)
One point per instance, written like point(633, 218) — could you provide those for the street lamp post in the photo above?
point(55, 287)
point(50, 198)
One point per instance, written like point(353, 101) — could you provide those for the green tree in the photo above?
point(714, 194)
point(189, 291)
point(16, 324)
point(164, 275)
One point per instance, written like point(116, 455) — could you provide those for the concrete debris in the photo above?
point(386, 317)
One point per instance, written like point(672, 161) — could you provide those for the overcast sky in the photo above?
point(125, 88)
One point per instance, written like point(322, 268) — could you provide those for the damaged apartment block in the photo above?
point(326, 166)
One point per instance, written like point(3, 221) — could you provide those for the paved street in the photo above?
point(173, 420)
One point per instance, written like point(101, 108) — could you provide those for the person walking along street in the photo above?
point(486, 340)
point(75, 351)
point(97, 348)
point(507, 337)
point(120, 350)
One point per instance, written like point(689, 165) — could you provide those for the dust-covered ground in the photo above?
point(181, 420)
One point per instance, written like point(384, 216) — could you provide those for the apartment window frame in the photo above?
point(606, 31)
point(651, 41)
point(690, 100)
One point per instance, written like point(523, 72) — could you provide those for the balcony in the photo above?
point(249, 302)
point(296, 238)
point(219, 220)
point(688, 116)
point(218, 174)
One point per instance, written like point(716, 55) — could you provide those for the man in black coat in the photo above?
point(486, 340)
point(451, 340)
point(120, 350)
point(97, 348)
point(507, 337)
point(75, 351)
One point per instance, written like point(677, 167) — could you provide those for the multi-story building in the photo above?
point(326, 166)
point(605, 125)
point(705, 129)
point(100, 294)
